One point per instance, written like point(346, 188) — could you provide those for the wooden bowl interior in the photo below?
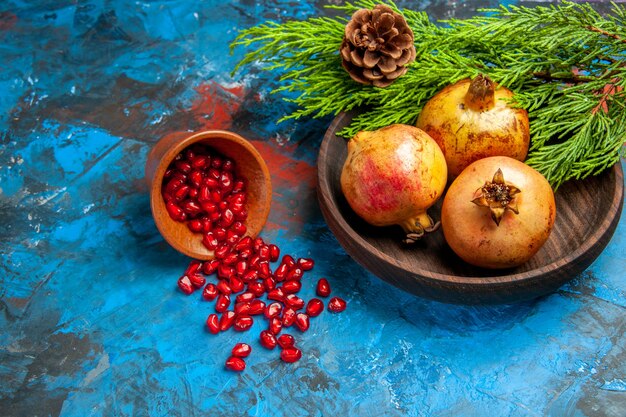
point(249, 165)
point(587, 214)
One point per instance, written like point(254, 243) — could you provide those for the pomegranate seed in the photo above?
point(294, 301)
point(285, 341)
point(264, 269)
point(209, 241)
point(181, 192)
point(183, 166)
point(241, 267)
point(323, 288)
point(242, 309)
point(268, 340)
point(195, 225)
point(168, 173)
point(225, 271)
point(295, 273)
point(241, 215)
point(273, 310)
point(269, 284)
point(193, 267)
point(204, 195)
point(210, 182)
point(302, 322)
point(230, 259)
point(239, 228)
point(241, 350)
point(276, 294)
point(222, 205)
point(175, 212)
point(245, 253)
point(193, 193)
point(245, 242)
point(227, 218)
point(239, 186)
point(314, 307)
point(185, 285)
point(236, 285)
point(173, 185)
point(197, 280)
point(227, 320)
point(276, 325)
point(223, 287)
point(226, 181)
point(210, 266)
point(256, 307)
point(210, 292)
point(191, 207)
point(235, 364)
point(232, 237)
point(209, 207)
point(291, 287)
point(264, 252)
point(289, 316)
point(207, 225)
point(290, 354)
point(288, 260)
point(246, 296)
point(228, 165)
point(281, 272)
point(306, 264)
point(216, 197)
point(250, 275)
point(243, 323)
point(195, 177)
point(222, 303)
point(220, 234)
point(258, 242)
point(213, 323)
point(336, 305)
point(274, 253)
point(216, 162)
point(221, 251)
point(254, 261)
point(199, 161)
point(257, 288)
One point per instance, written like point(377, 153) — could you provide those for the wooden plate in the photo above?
point(588, 212)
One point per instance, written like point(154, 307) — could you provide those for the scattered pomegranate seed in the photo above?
point(245, 296)
point(289, 316)
point(236, 285)
point(302, 322)
point(210, 292)
point(276, 294)
point(276, 325)
point(323, 288)
point(223, 287)
point(242, 309)
point(236, 364)
point(294, 301)
point(222, 303)
point(285, 341)
point(314, 307)
point(291, 287)
point(241, 350)
point(227, 320)
point(213, 323)
point(268, 340)
point(185, 285)
point(306, 264)
point(290, 354)
point(243, 323)
point(273, 310)
point(257, 307)
point(336, 305)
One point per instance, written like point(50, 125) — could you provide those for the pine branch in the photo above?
point(565, 63)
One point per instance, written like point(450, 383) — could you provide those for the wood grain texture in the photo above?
point(588, 212)
point(249, 165)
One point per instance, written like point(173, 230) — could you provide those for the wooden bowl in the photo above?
point(588, 212)
point(248, 165)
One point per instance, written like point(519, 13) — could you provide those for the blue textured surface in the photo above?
point(92, 322)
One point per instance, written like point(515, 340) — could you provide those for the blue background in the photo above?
point(91, 319)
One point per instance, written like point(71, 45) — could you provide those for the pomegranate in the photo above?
point(392, 176)
point(498, 213)
point(473, 119)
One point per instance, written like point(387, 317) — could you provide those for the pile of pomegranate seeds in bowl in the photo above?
point(252, 281)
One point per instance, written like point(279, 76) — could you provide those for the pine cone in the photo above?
point(377, 46)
